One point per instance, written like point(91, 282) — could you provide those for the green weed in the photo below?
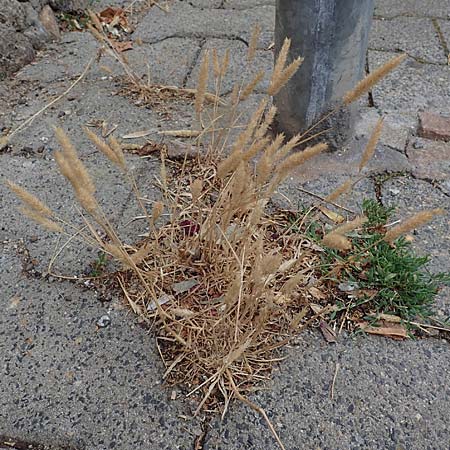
point(390, 278)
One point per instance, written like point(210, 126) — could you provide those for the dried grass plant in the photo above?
point(224, 282)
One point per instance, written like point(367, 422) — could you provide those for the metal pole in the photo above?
point(332, 36)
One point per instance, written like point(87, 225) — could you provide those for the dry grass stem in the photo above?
point(297, 159)
point(371, 144)
point(75, 170)
point(216, 63)
point(117, 148)
point(225, 63)
point(280, 62)
point(157, 210)
point(253, 44)
point(412, 223)
point(220, 275)
point(268, 120)
point(370, 80)
point(104, 148)
point(202, 84)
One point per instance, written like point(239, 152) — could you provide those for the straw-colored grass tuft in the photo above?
point(223, 278)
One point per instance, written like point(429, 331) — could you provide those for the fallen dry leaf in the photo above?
point(327, 332)
point(335, 217)
point(122, 46)
point(388, 329)
point(114, 16)
point(317, 293)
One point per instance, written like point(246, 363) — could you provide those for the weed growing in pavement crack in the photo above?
point(225, 281)
point(383, 277)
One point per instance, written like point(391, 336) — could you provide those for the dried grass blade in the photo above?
point(202, 84)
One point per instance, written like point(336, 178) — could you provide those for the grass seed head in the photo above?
point(29, 199)
point(336, 241)
point(202, 84)
point(253, 44)
point(371, 144)
point(373, 78)
point(41, 220)
point(412, 223)
point(343, 188)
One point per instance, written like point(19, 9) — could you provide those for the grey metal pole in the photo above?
point(332, 36)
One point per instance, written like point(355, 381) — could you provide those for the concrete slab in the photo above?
point(293, 193)
point(206, 3)
point(187, 21)
point(412, 87)
point(365, 413)
point(397, 127)
point(144, 61)
point(444, 25)
point(43, 179)
point(430, 159)
point(246, 4)
point(417, 37)
point(64, 381)
point(430, 8)
point(90, 103)
point(410, 195)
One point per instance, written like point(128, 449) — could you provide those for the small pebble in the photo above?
point(418, 144)
point(104, 321)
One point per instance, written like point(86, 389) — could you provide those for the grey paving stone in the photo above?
point(166, 62)
point(430, 159)
point(365, 412)
point(245, 4)
point(412, 87)
point(90, 103)
point(42, 178)
point(346, 162)
point(397, 128)
point(417, 37)
point(444, 25)
point(206, 3)
point(428, 8)
point(239, 69)
point(186, 21)
point(64, 381)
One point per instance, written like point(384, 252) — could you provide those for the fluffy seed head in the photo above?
point(412, 223)
point(371, 145)
point(29, 199)
point(336, 241)
point(253, 44)
point(370, 80)
point(41, 220)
